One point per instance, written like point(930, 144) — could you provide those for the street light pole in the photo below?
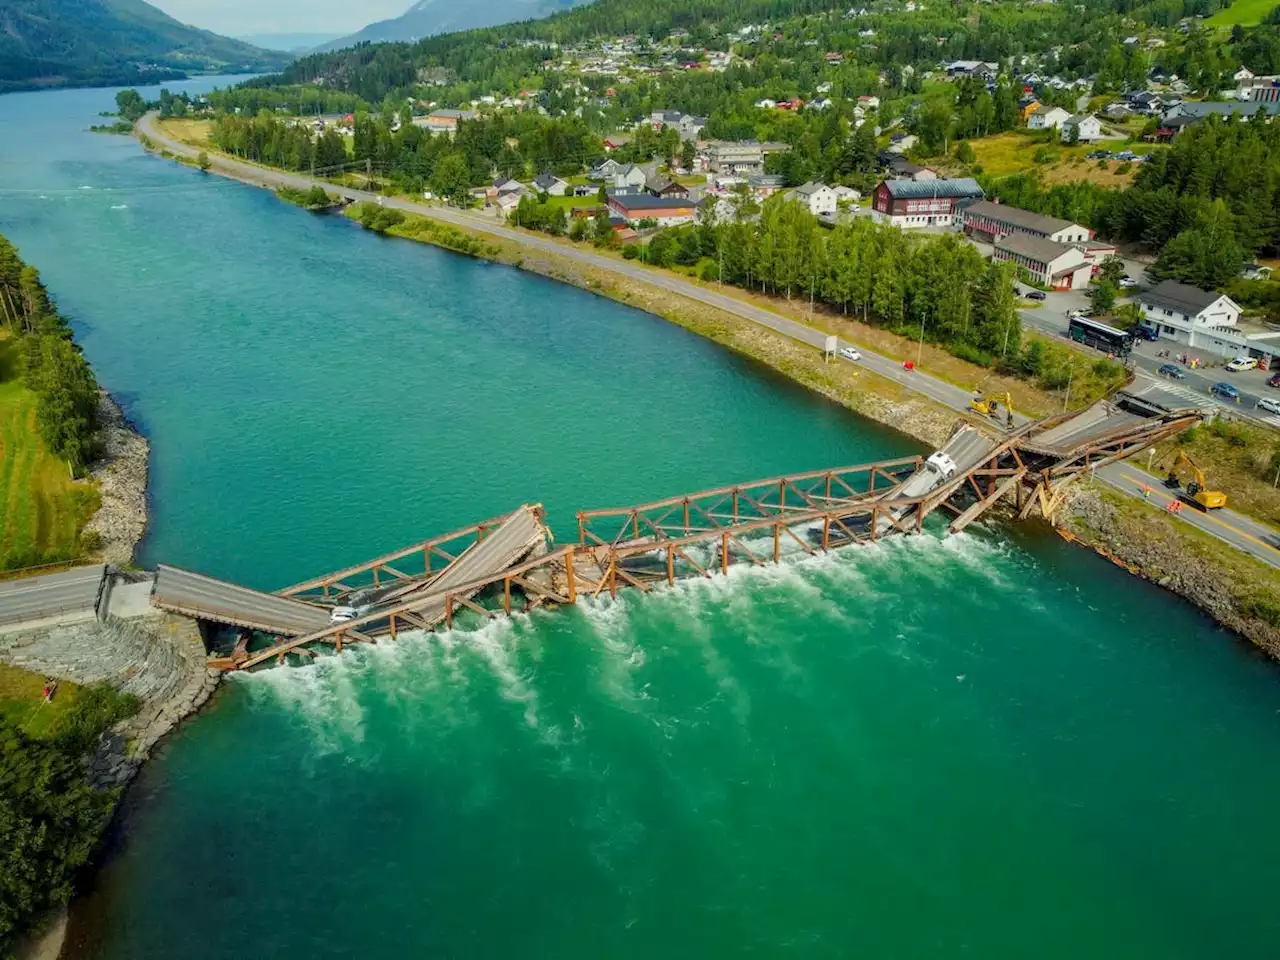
point(920, 352)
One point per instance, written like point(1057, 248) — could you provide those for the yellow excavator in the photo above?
point(1197, 488)
point(989, 405)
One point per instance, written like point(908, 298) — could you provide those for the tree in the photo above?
point(1111, 269)
point(130, 105)
point(203, 162)
point(1073, 134)
point(1102, 297)
point(688, 152)
point(964, 152)
point(452, 178)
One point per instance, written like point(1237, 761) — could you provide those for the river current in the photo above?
point(993, 745)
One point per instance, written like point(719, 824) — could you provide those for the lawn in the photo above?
point(1236, 459)
point(571, 203)
point(1246, 13)
point(41, 508)
point(1002, 154)
point(194, 132)
point(22, 701)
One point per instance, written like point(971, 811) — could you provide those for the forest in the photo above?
point(52, 364)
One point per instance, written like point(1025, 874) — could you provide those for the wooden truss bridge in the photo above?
point(511, 561)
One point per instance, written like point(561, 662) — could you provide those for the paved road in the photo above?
point(1225, 525)
point(52, 595)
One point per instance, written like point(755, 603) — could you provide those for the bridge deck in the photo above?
point(207, 598)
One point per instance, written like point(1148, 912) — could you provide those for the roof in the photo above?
point(547, 180)
point(646, 201)
point(1017, 217)
point(1081, 118)
point(955, 188)
point(1179, 297)
point(54, 594)
point(1044, 110)
point(1246, 108)
point(1039, 249)
point(810, 188)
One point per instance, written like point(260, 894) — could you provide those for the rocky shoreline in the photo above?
point(121, 473)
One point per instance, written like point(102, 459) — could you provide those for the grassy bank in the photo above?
point(42, 510)
point(1240, 459)
point(1239, 592)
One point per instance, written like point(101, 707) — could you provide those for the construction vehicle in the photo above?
point(989, 404)
point(1197, 487)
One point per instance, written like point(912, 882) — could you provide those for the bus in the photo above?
point(1100, 336)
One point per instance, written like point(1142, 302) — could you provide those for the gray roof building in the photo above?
point(1022, 220)
point(1039, 249)
point(1179, 297)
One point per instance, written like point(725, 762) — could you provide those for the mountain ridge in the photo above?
point(428, 17)
point(61, 43)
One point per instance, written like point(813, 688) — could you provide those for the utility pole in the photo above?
point(920, 352)
point(1067, 399)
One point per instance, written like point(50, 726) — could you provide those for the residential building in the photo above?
point(443, 121)
point(605, 170)
point(746, 157)
point(818, 197)
point(1191, 111)
point(629, 177)
point(923, 203)
point(1051, 264)
point(1047, 118)
point(869, 102)
point(1087, 128)
point(972, 68)
point(991, 222)
point(551, 184)
point(690, 127)
point(615, 142)
point(504, 186)
point(846, 195)
point(900, 168)
point(667, 211)
point(1027, 106)
point(764, 185)
point(1205, 320)
point(666, 187)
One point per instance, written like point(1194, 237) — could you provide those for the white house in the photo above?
point(1088, 128)
point(1052, 264)
point(605, 170)
point(629, 176)
point(1205, 320)
point(549, 183)
point(1047, 118)
point(846, 195)
point(818, 197)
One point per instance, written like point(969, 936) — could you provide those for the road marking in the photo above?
point(1222, 523)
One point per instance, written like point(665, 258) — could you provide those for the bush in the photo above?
point(1124, 167)
point(630, 252)
point(973, 354)
point(1261, 606)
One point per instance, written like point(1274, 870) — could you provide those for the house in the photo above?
point(1095, 251)
point(690, 127)
point(819, 104)
point(666, 187)
point(746, 157)
point(833, 56)
point(605, 170)
point(1118, 110)
point(1190, 112)
point(1047, 118)
point(922, 203)
point(1051, 264)
point(991, 222)
point(1026, 107)
point(1206, 320)
point(506, 186)
point(551, 184)
point(443, 121)
point(1256, 271)
point(846, 195)
point(972, 68)
point(900, 168)
point(818, 197)
point(667, 211)
point(1086, 126)
point(764, 185)
point(507, 203)
point(868, 102)
point(615, 142)
point(1244, 73)
point(629, 177)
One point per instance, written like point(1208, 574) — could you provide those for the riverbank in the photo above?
point(918, 406)
point(121, 475)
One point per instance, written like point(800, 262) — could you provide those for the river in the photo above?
point(994, 745)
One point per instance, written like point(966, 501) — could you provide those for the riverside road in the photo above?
point(1239, 531)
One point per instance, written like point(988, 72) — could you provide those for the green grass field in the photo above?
point(22, 701)
point(1246, 13)
point(41, 509)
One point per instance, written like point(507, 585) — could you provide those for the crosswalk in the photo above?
point(1208, 400)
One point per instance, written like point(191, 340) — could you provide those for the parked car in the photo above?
point(1127, 282)
point(1036, 295)
point(1098, 155)
point(850, 354)
point(1225, 390)
point(1241, 363)
point(1172, 371)
point(1126, 155)
point(1269, 404)
point(1274, 380)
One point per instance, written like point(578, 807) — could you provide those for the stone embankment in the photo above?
point(1141, 541)
point(121, 474)
point(160, 658)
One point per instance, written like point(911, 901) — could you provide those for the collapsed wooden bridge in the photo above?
point(511, 560)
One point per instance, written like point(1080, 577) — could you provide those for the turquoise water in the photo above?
point(991, 746)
